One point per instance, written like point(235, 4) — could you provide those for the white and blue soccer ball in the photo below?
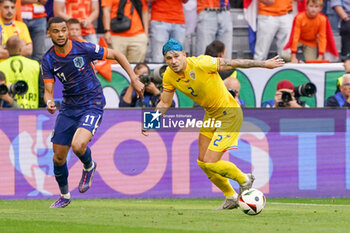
point(252, 201)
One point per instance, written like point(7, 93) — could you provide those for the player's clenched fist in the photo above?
point(51, 107)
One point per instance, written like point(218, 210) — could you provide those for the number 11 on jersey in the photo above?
point(62, 77)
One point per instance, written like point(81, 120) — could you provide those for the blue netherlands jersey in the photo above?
point(81, 87)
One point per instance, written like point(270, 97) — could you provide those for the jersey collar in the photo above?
point(64, 54)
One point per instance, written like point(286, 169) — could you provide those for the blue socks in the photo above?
point(61, 175)
point(86, 158)
point(61, 172)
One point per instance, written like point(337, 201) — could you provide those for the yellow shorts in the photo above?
point(226, 136)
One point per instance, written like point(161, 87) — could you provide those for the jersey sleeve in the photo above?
point(106, 3)
point(46, 73)
point(322, 36)
point(208, 63)
point(25, 35)
point(144, 5)
point(167, 86)
point(95, 51)
point(296, 33)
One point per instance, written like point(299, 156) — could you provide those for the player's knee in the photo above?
point(201, 164)
point(200, 160)
point(208, 160)
point(205, 160)
point(58, 160)
point(211, 158)
point(78, 148)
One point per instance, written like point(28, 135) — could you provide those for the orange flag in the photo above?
point(104, 66)
point(102, 42)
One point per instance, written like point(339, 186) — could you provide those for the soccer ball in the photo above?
point(252, 201)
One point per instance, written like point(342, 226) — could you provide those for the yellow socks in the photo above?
point(228, 170)
point(221, 182)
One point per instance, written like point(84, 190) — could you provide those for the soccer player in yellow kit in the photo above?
point(198, 78)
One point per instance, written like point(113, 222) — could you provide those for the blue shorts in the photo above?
point(69, 120)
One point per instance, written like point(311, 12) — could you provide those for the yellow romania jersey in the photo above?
point(201, 83)
point(17, 28)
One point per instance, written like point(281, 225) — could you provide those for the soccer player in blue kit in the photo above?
point(83, 101)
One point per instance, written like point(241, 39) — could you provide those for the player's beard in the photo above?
point(60, 45)
point(9, 16)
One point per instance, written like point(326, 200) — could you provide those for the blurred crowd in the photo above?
point(303, 31)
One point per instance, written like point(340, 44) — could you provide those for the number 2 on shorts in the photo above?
point(217, 140)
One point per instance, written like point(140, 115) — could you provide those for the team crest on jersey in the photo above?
point(78, 62)
point(193, 75)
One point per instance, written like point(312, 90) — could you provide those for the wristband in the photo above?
point(107, 30)
point(47, 103)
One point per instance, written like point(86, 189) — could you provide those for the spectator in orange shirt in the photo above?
point(309, 32)
point(74, 29)
point(133, 41)
point(167, 21)
point(86, 11)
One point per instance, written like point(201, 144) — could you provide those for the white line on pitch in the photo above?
point(308, 204)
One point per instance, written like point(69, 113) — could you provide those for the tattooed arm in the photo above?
point(227, 64)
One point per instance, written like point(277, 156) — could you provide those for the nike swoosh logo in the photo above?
point(86, 124)
point(55, 69)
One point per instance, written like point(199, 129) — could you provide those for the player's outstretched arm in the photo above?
point(48, 97)
point(227, 64)
point(121, 59)
point(166, 99)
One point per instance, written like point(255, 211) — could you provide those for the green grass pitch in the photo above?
point(173, 215)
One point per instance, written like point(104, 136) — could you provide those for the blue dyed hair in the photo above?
point(172, 45)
